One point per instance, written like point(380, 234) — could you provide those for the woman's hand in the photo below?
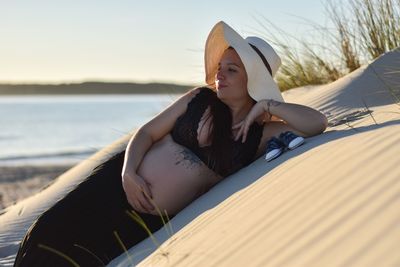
point(259, 112)
point(137, 191)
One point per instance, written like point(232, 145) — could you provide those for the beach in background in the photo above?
point(19, 182)
point(42, 136)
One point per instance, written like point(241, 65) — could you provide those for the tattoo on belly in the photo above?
point(188, 158)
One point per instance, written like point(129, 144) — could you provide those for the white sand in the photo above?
point(20, 182)
point(334, 201)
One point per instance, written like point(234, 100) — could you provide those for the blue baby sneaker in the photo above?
point(291, 140)
point(274, 148)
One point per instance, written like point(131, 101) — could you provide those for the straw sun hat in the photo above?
point(259, 59)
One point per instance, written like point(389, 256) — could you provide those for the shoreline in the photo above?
point(20, 182)
point(94, 87)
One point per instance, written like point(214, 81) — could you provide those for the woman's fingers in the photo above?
point(245, 130)
point(135, 202)
point(237, 125)
point(147, 196)
point(239, 133)
point(245, 124)
point(131, 196)
point(138, 192)
point(144, 196)
point(146, 189)
point(141, 203)
point(256, 113)
point(143, 206)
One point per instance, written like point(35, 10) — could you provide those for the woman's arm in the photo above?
point(300, 119)
point(136, 189)
point(133, 184)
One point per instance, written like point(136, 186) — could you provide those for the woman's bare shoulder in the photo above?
point(162, 123)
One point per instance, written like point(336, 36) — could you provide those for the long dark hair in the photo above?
point(220, 151)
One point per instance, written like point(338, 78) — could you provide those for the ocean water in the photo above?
point(67, 129)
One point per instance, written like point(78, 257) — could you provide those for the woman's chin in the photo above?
point(221, 93)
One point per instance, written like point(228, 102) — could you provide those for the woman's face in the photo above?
point(231, 77)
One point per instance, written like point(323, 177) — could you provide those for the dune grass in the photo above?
point(363, 30)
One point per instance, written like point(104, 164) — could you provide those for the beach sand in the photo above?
point(19, 182)
point(334, 201)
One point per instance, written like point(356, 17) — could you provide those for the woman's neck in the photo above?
point(240, 111)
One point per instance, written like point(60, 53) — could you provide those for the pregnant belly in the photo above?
point(175, 174)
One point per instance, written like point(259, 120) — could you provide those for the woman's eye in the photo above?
point(233, 70)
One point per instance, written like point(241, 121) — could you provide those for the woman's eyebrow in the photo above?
point(234, 64)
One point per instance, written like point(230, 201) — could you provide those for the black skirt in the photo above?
point(90, 226)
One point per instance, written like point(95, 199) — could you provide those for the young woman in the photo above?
point(206, 135)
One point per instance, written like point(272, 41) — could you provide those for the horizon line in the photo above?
point(80, 81)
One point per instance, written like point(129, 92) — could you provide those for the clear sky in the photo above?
point(52, 41)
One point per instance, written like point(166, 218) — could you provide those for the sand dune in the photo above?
point(334, 201)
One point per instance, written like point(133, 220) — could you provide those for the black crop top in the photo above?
point(185, 133)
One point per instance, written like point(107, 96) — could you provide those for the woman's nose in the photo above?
point(219, 76)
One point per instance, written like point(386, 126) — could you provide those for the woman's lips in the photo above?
point(220, 85)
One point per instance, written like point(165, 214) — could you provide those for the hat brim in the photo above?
point(260, 83)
